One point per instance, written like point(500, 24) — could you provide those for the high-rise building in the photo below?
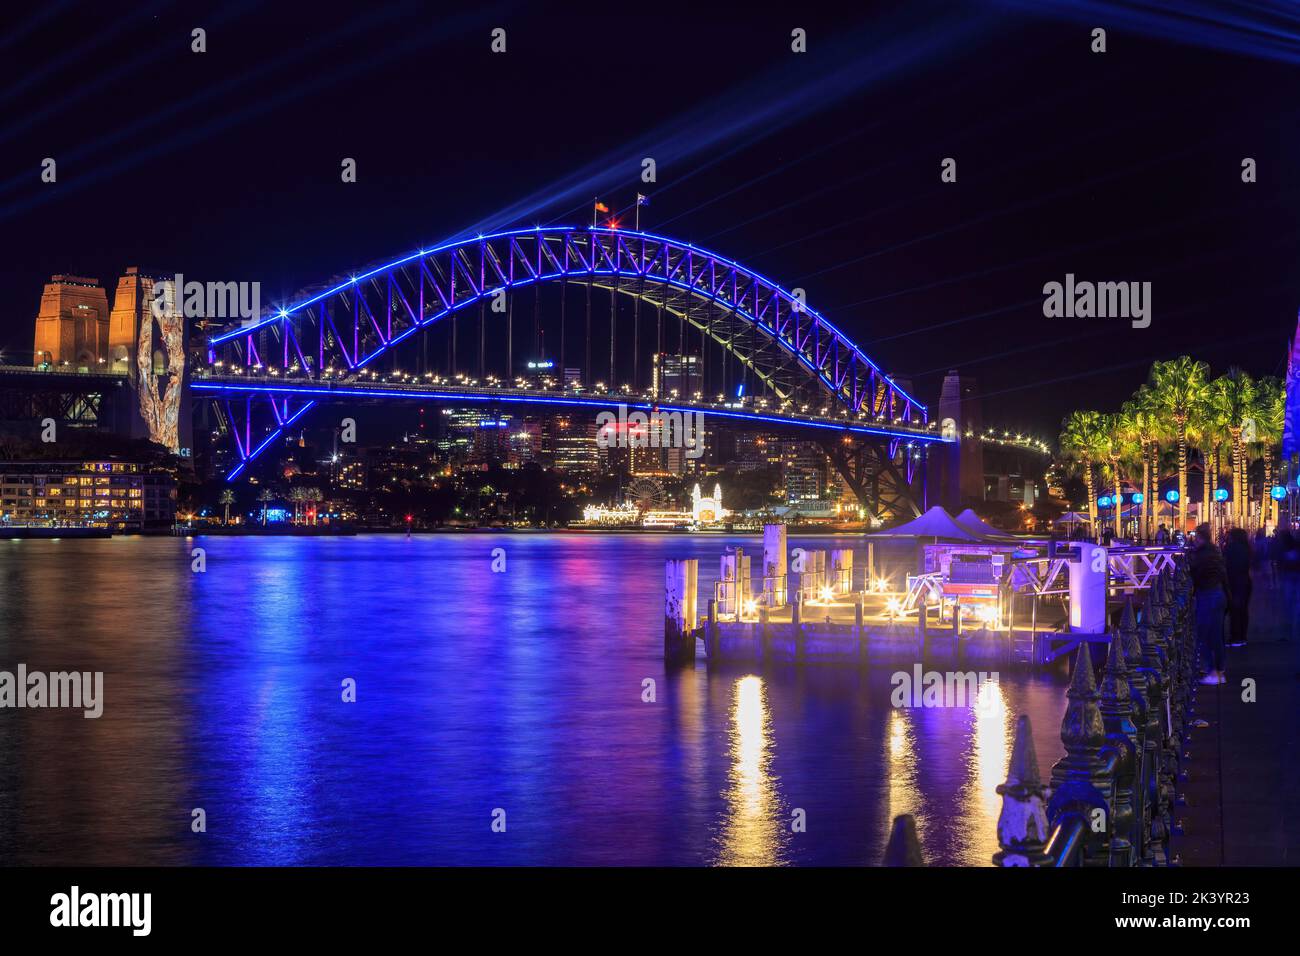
point(526, 443)
point(72, 325)
point(677, 375)
point(573, 444)
point(757, 450)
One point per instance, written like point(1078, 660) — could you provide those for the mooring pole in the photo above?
point(681, 580)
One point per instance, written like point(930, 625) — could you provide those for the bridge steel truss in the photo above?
point(77, 399)
point(792, 351)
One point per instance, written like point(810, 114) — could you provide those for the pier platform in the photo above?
point(839, 633)
point(1242, 789)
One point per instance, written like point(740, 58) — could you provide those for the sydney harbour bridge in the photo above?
point(601, 299)
point(624, 317)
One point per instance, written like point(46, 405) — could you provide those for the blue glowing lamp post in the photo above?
point(1277, 493)
point(1220, 494)
point(1171, 496)
point(1138, 497)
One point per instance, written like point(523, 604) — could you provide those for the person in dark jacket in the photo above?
point(1210, 589)
point(1288, 576)
point(1236, 558)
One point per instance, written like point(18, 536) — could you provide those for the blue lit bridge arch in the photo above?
point(761, 354)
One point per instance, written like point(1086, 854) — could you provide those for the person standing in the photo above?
point(1210, 589)
point(1236, 559)
point(1162, 536)
point(1288, 576)
point(1275, 547)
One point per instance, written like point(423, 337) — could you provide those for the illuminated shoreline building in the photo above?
point(120, 495)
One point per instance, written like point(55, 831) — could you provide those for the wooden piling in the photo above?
point(774, 565)
point(859, 631)
point(734, 575)
point(841, 562)
point(681, 592)
point(797, 630)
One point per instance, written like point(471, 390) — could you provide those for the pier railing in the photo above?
point(1112, 795)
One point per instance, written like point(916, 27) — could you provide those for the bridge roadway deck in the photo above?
point(1243, 773)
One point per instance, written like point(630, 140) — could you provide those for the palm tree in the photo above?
point(265, 498)
point(313, 496)
point(297, 496)
point(1231, 402)
point(1140, 427)
point(1269, 416)
point(1114, 447)
point(1178, 389)
point(1083, 441)
point(227, 498)
point(1202, 438)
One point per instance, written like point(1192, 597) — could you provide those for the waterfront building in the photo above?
point(122, 495)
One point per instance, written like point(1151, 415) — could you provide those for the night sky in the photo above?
point(820, 170)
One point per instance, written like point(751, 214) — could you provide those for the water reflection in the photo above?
point(222, 691)
point(752, 831)
point(902, 764)
point(992, 751)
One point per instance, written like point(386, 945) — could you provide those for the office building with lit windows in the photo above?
point(121, 495)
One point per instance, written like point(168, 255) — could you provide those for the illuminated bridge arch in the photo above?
point(787, 351)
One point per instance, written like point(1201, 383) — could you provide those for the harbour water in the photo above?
point(477, 691)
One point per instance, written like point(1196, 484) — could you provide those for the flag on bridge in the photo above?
point(642, 199)
point(1291, 425)
point(601, 207)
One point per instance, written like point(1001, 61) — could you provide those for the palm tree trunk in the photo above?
point(1119, 498)
point(1212, 487)
point(1146, 486)
point(1238, 506)
point(1267, 505)
point(1206, 495)
point(1092, 498)
point(1181, 513)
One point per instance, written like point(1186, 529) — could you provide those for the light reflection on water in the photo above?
point(476, 690)
point(752, 831)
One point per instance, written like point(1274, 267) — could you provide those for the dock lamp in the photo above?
point(1277, 493)
point(1138, 497)
point(1171, 496)
point(1220, 494)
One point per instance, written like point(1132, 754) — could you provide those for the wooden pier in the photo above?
point(806, 608)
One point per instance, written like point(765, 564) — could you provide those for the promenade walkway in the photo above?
point(1243, 776)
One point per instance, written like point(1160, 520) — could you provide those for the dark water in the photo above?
point(475, 691)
